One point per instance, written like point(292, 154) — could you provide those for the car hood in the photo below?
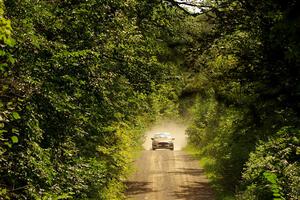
point(163, 140)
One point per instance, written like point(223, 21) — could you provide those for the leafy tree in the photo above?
point(246, 76)
point(9, 98)
point(89, 78)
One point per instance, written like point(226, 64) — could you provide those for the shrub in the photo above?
point(273, 170)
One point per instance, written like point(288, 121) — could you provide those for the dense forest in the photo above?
point(81, 80)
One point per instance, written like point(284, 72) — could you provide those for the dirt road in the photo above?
point(168, 175)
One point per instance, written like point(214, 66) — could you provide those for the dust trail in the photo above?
point(177, 129)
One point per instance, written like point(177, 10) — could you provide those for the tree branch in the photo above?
point(198, 5)
point(204, 9)
point(178, 5)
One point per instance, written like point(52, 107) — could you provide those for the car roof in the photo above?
point(163, 134)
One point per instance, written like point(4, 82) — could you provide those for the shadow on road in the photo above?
point(194, 191)
point(188, 171)
point(137, 187)
point(168, 175)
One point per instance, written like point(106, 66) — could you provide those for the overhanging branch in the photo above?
point(179, 5)
point(203, 8)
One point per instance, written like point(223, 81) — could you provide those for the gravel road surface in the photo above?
point(168, 175)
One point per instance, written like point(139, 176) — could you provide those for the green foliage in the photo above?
point(244, 79)
point(164, 102)
point(80, 80)
point(210, 166)
point(272, 170)
point(8, 102)
point(85, 81)
point(218, 133)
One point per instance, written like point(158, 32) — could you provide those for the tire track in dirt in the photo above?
point(168, 175)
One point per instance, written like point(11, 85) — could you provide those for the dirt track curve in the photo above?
point(168, 175)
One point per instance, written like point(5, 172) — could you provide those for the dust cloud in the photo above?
point(177, 130)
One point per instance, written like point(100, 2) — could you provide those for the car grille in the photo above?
point(163, 144)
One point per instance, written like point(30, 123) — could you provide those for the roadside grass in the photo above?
point(210, 168)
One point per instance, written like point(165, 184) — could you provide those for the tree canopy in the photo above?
point(81, 80)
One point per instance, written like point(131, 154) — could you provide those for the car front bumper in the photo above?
point(163, 145)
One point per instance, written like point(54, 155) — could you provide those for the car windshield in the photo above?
point(162, 135)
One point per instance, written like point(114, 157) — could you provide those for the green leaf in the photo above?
point(16, 115)
point(10, 42)
point(272, 178)
point(3, 67)
point(2, 53)
point(14, 130)
point(8, 144)
point(14, 139)
point(11, 59)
